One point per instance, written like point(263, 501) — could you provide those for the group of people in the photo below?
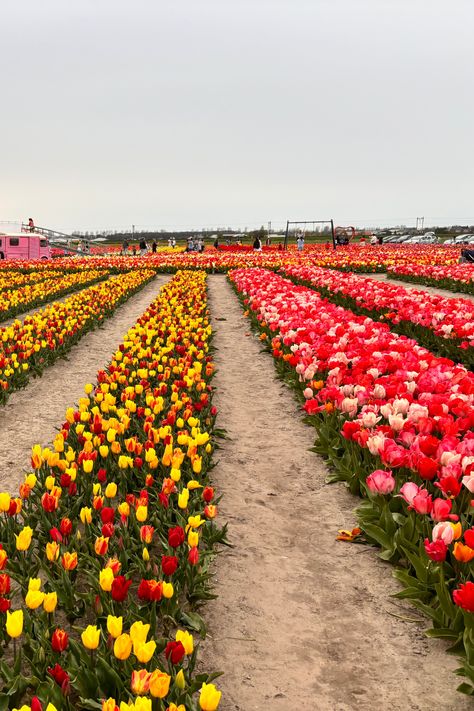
point(195, 244)
point(143, 246)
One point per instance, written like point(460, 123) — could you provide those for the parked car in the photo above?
point(460, 239)
point(18, 245)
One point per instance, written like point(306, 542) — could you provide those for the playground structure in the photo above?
point(344, 235)
point(69, 243)
point(309, 222)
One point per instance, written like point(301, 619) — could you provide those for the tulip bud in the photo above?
point(180, 680)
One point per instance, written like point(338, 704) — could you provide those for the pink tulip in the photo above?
point(468, 482)
point(380, 482)
point(443, 531)
point(442, 510)
point(409, 491)
point(422, 502)
point(437, 550)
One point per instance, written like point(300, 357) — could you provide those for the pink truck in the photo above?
point(21, 245)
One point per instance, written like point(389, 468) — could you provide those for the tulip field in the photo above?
point(110, 543)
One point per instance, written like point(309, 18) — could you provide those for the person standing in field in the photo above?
point(143, 247)
point(153, 246)
point(300, 242)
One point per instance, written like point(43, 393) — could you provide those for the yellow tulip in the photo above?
point(106, 578)
point(86, 515)
point(193, 539)
point(52, 551)
point(124, 509)
point(4, 502)
point(144, 651)
point(34, 584)
point(141, 513)
point(14, 624)
point(111, 490)
point(50, 601)
point(90, 637)
point(114, 626)
point(145, 555)
point(139, 632)
point(104, 450)
point(34, 598)
point(186, 640)
point(87, 465)
point(88, 388)
point(159, 684)
point(179, 680)
point(209, 697)
point(23, 539)
point(142, 704)
point(168, 590)
point(31, 480)
point(196, 521)
point(175, 474)
point(183, 499)
point(123, 646)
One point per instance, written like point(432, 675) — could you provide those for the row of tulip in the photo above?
point(359, 258)
point(12, 279)
point(106, 552)
point(395, 423)
point(28, 347)
point(443, 324)
point(457, 277)
point(17, 300)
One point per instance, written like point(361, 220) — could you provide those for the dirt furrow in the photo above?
point(32, 415)
point(302, 621)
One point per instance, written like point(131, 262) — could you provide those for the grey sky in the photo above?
point(206, 112)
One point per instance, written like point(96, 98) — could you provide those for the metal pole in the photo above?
point(286, 234)
point(333, 235)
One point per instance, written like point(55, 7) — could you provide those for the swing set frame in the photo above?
point(309, 222)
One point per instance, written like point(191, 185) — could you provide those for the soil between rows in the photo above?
point(33, 415)
point(302, 621)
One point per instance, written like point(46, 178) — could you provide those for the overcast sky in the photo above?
point(206, 112)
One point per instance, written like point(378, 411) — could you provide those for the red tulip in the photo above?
point(59, 640)
point(464, 596)
point(175, 652)
point(169, 564)
point(176, 536)
point(120, 588)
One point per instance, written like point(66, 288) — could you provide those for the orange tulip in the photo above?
point(69, 560)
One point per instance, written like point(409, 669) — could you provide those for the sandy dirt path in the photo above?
point(302, 621)
point(421, 287)
point(33, 415)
